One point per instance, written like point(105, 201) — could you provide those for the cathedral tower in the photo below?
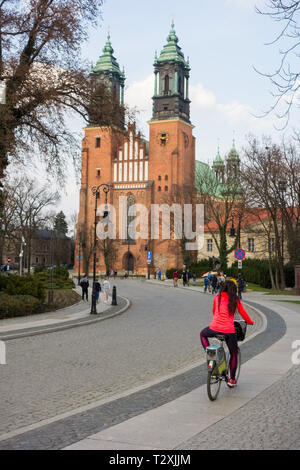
point(172, 145)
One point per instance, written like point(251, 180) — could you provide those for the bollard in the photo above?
point(114, 296)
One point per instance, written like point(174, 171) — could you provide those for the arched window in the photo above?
point(179, 85)
point(167, 83)
point(130, 218)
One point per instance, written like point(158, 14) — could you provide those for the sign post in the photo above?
point(149, 261)
point(240, 255)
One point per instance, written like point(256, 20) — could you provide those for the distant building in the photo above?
point(47, 248)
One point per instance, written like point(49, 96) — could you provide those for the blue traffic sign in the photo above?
point(149, 257)
point(239, 254)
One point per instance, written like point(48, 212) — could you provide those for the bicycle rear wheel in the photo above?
point(213, 385)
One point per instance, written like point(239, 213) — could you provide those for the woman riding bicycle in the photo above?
point(224, 308)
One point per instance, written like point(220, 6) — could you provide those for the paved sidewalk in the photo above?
point(265, 401)
point(75, 313)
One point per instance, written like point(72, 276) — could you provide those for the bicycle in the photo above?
point(218, 361)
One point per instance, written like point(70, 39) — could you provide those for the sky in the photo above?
point(224, 40)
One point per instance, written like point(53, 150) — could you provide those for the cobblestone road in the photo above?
point(54, 373)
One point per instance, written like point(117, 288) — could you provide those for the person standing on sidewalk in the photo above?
point(241, 285)
point(188, 276)
point(97, 290)
point(84, 283)
point(206, 284)
point(106, 288)
point(214, 284)
point(184, 278)
point(175, 279)
point(194, 278)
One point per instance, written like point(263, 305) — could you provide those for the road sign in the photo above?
point(149, 257)
point(239, 254)
point(240, 264)
point(9, 259)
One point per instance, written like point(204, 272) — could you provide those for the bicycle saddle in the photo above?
point(220, 337)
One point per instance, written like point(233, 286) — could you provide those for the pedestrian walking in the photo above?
point(184, 278)
point(175, 279)
point(106, 288)
point(97, 289)
point(210, 277)
point(159, 275)
point(84, 283)
point(188, 277)
point(214, 284)
point(221, 281)
point(194, 278)
point(206, 284)
point(240, 285)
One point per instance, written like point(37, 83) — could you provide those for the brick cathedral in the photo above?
point(144, 172)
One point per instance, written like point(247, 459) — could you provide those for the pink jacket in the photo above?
point(222, 321)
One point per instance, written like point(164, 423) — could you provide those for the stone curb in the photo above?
point(67, 325)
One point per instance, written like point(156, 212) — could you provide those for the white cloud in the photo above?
point(201, 97)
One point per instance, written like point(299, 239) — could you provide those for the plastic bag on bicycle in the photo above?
point(217, 354)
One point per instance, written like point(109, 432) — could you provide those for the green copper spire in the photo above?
point(171, 50)
point(107, 62)
point(233, 154)
point(218, 162)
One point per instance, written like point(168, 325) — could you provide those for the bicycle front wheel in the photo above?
point(213, 385)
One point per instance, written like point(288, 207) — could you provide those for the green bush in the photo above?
point(24, 285)
point(19, 305)
point(61, 272)
point(256, 271)
point(39, 269)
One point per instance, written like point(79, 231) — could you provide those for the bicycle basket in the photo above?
point(240, 329)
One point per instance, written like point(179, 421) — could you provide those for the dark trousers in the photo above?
point(85, 293)
point(232, 344)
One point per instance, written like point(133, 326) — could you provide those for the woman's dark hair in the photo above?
point(231, 289)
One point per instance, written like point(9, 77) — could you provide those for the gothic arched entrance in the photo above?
point(128, 262)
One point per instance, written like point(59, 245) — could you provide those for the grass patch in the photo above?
point(297, 302)
point(256, 288)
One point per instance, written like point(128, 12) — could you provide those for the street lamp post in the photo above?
point(96, 191)
point(282, 185)
point(79, 259)
point(21, 255)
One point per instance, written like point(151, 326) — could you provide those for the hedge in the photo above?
point(18, 305)
point(256, 271)
point(23, 285)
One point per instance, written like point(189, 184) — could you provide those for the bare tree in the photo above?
point(223, 200)
point(265, 166)
point(40, 42)
point(29, 203)
point(285, 79)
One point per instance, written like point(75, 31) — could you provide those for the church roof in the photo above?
point(171, 51)
point(233, 154)
point(107, 62)
point(218, 162)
